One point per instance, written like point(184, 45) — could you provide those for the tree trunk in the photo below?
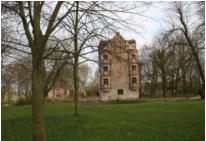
point(202, 92)
point(164, 87)
point(19, 93)
point(76, 89)
point(76, 65)
point(26, 90)
point(2, 96)
point(37, 97)
point(153, 88)
point(9, 94)
point(184, 88)
point(172, 85)
point(176, 82)
point(163, 83)
point(191, 84)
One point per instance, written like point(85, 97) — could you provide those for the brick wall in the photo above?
point(120, 73)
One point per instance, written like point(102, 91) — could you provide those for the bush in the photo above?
point(92, 91)
point(23, 101)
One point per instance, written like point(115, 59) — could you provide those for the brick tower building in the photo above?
point(119, 69)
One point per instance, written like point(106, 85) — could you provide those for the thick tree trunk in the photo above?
point(37, 97)
point(37, 42)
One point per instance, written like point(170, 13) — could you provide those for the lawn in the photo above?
point(112, 121)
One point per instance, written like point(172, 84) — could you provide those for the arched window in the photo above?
point(134, 80)
point(134, 67)
point(106, 81)
point(120, 91)
point(105, 69)
point(105, 57)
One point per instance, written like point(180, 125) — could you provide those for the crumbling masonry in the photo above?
point(119, 69)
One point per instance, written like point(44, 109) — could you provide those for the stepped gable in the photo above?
point(118, 42)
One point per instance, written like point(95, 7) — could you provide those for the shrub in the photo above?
point(59, 100)
point(23, 101)
point(92, 91)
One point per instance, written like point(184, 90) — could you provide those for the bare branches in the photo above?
point(51, 27)
point(26, 25)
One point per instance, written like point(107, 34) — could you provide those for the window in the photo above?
point(134, 80)
point(120, 91)
point(105, 57)
point(134, 68)
point(106, 81)
point(133, 56)
point(105, 69)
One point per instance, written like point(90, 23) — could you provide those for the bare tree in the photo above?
point(37, 25)
point(161, 59)
point(91, 22)
point(172, 60)
point(181, 22)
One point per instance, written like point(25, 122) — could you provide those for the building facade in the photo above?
point(119, 69)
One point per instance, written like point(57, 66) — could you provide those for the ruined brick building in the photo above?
point(119, 69)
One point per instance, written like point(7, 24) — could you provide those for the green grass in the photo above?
point(111, 121)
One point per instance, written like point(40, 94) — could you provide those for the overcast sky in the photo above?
point(149, 26)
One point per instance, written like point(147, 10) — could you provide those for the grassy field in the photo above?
point(113, 121)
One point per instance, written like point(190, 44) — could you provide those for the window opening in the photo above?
point(105, 57)
point(133, 56)
point(106, 81)
point(120, 91)
point(134, 68)
point(105, 68)
point(134, 80)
